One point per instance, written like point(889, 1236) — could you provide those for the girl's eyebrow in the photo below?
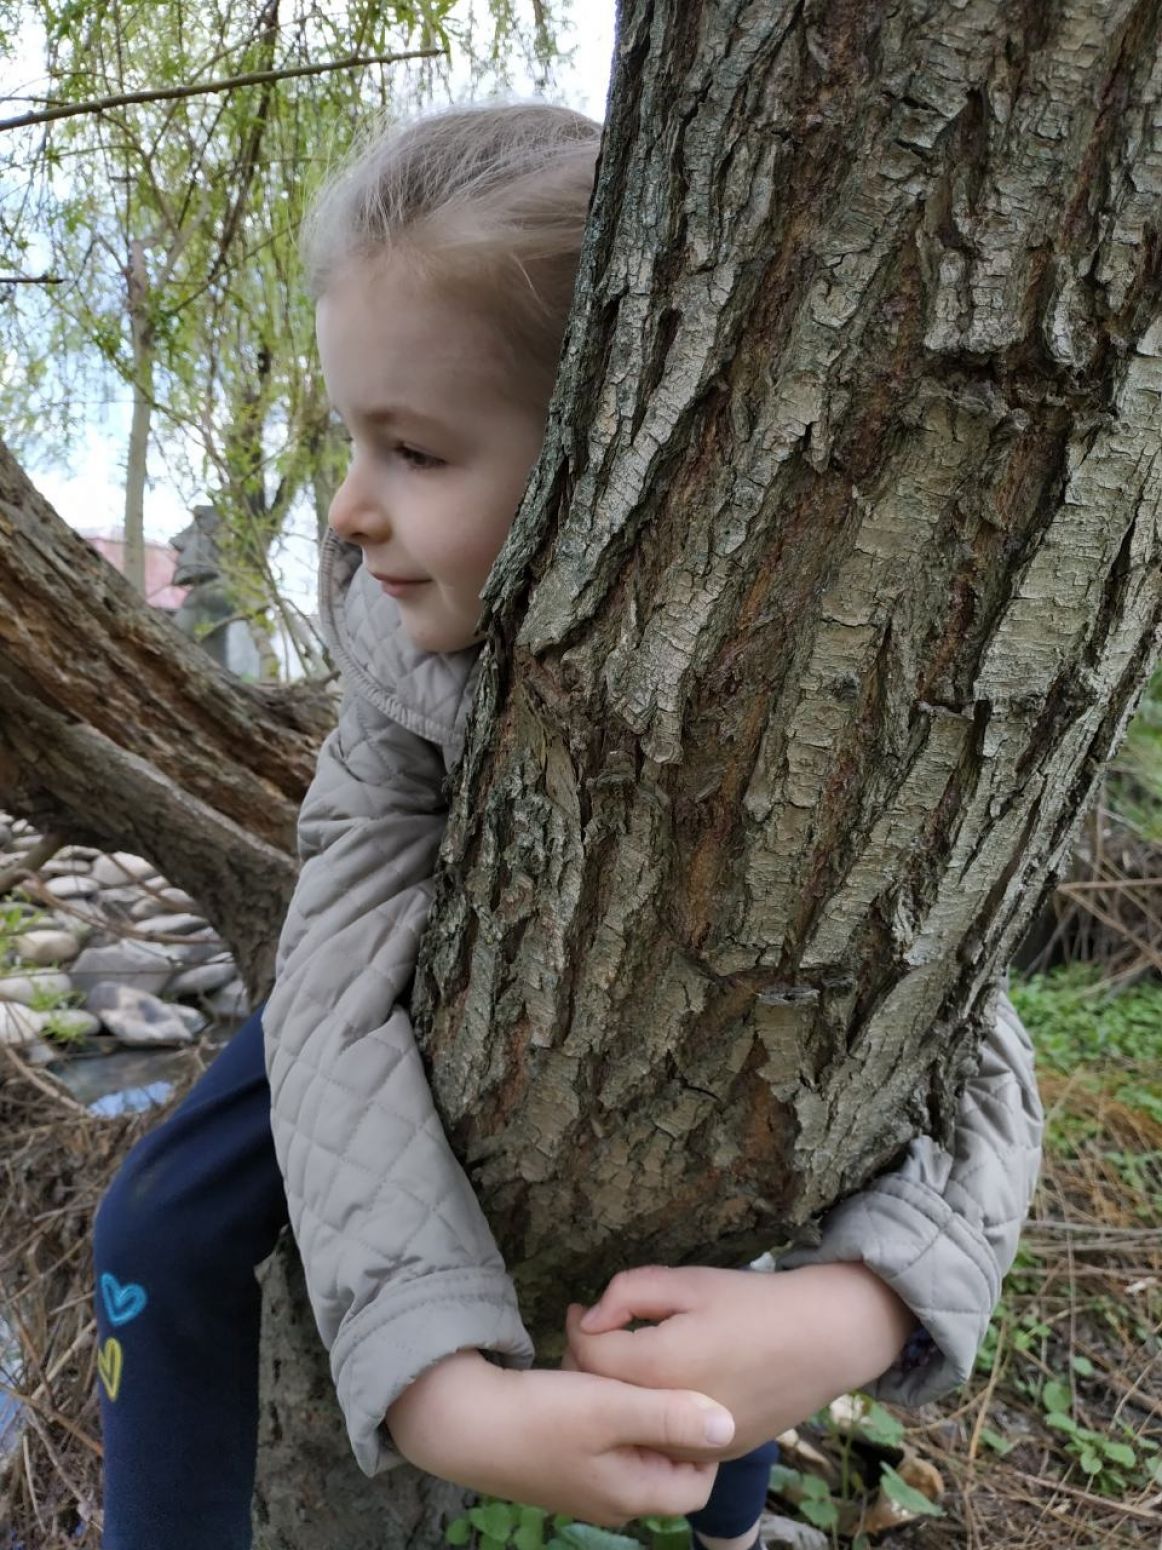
point(386, 413)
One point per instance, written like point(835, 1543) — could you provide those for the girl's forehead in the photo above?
point(381, 320)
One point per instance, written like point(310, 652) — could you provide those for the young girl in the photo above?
point(443, 260)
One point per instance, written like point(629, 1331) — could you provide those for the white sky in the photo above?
point(90, 494)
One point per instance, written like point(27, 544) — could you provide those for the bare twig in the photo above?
point(230, 83)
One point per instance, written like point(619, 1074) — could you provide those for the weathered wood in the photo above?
point(844, 558)
point(115, 730)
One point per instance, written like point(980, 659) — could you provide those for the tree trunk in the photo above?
point(844, 559)
point(834, 588)
point(115, 731)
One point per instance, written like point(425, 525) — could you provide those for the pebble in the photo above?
point(121, 868)
point(25, 987)
point(230, 1000)
point(46, 947)
point(205, 978)
point(177, 899)
point(75, 1022)
point(135, 1017)
point(139, 964)
point(72, 887)
point(19, 1024)
point(173, 925)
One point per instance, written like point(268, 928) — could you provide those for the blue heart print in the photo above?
point(122, 1303)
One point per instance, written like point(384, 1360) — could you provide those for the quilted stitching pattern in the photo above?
point(942, 1230)
point(400, 1264)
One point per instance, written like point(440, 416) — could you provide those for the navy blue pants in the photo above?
point(197, 1204)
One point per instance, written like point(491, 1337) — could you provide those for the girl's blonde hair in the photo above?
point(487, 202)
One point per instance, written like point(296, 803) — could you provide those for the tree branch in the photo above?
point(253, 78)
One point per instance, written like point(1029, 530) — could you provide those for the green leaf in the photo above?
point(561, 1520)
point(487, 1542)
point(1120, 1452)
point(815, 1489)
point(458, 1532)
point(824, 1514)
point(1056, 1397)
point(496, 1520)
point(1083, 1365)
point(1063, 1423)
point(995, 1441)
point(585, 1536)
point(1090, 1462)
point(529, 1536)
point(783, 1476)
point(877, 1425)
point(906, 1496)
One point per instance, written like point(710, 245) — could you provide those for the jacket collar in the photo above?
point(429, 692)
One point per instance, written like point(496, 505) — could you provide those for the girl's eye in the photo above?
point(418, 459)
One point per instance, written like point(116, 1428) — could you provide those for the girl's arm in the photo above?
point(942, 1229)
point(400, 1264)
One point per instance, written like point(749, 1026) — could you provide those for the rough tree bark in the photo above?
point(115, 731)
point(833, 590)
point(844, 551)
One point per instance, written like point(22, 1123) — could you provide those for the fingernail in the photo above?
point(589, 1317)
point(719, 1428)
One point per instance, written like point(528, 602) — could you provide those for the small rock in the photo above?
point(230, 1001)
point(205, 978)
point(61, 866)
point(77, 853)
point(142, 965)
point(135, 1017)
point(73, 1022)
point(19, 1024)
point(46, 947)
point(121, 868)
point(777, 1531)
point(193, 951)
point(5, 835)
point(72, 887)
point(174, 925)
point(113, 903)
point(195, 1021)
point(41, 982)
point(177, 899)
point(37, 1052)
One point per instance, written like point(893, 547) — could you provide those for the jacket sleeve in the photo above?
point(400, 1264)
point(942, 1229)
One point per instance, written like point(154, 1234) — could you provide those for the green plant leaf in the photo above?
point(823, 1514)
point(1056, 1398)
point(496, 1520)
point(1063, 1423)
point(782, 1476)
point(1083, 1365)
point(879, 1426)
point(458, 1532)
point(995, 1441)
point(1090, 1462)
point(1120, 1452)
point(585, 1536)
point(906, 1496)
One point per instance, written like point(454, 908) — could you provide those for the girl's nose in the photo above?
point(354, 514)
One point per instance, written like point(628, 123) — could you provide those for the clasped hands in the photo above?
point(637, 1420)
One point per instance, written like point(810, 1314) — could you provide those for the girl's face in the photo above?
point(441, 447)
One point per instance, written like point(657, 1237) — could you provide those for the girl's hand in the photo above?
point(570, 1442)
point(772, 1347)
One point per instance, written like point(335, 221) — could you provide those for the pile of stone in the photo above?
point(151, 970)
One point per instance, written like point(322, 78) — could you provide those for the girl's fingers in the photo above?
point(654, 1483)
point(649, 1292)
point(669, 1421)
point(636, 1356)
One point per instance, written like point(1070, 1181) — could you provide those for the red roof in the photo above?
point(160, 563)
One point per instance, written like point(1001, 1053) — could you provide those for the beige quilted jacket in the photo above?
point(400, 1263)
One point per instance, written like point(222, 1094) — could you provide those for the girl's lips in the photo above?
point(398, 588)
